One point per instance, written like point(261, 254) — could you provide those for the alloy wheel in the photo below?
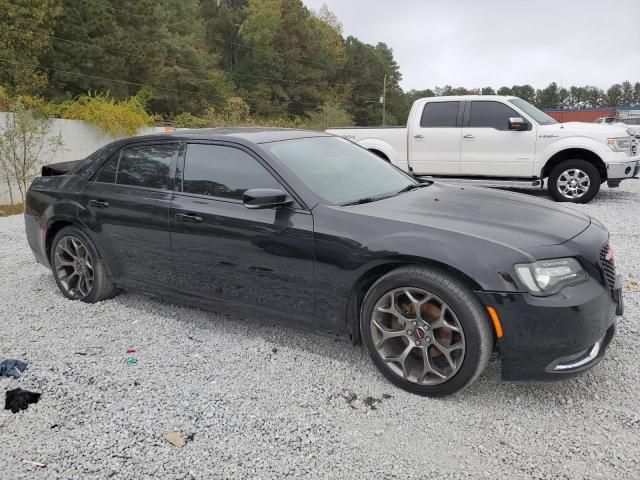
point(74, 267)
point(573, 183)
point(418, 336)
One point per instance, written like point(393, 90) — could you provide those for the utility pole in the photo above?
point(384, 101)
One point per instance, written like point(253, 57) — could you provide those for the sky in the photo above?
point(478, 43)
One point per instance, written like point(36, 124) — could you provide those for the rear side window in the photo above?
point(439, 114)
point(147, 165)
point(220, 171)
point(107, 174)
point(491, 115)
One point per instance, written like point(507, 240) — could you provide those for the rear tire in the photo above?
point(78, 269)
point(575, 181)
point(453, 321)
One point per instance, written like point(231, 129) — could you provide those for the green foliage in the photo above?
point(115, 117)
point(24, 25)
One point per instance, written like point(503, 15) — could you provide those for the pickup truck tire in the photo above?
point(575, 181)
point(77, 267)
point(425, 331)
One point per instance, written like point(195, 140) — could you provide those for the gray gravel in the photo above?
point(257, 401)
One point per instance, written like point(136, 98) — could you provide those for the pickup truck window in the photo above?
point(535, 113)
point(491, 115)
point(439, 115)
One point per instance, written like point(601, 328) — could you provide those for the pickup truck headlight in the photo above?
point(620, 144)
point(550, 276)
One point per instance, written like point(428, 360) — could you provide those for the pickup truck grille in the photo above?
point(608, 268)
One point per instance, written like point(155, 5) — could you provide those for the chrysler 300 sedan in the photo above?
point(313, 231)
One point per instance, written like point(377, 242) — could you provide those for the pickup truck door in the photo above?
point(489, 148)
point(434, 139)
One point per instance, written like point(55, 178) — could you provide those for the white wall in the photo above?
point(80, 139)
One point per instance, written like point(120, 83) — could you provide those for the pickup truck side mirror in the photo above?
point(265, 198)
point(518, 124)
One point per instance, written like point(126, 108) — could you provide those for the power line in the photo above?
point(126, 82)
point(295, 59)
point(121, 52)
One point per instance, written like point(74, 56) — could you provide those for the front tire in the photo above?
point(575, 181)
point(77, 267)
point(425, 331)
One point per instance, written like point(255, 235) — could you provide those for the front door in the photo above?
point(126, 209)
point(434, 145)
point(489, 148)
point(244, 260)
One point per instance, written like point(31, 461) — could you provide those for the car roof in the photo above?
point(251, 134)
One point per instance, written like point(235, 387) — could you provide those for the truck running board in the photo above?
point(529, 182)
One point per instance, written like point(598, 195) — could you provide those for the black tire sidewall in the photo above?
point(594, 179)
point(478, 336)
point(101, 283)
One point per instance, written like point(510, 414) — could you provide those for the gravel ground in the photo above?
point(257, 401)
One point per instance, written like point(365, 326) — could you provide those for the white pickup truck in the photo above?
point(504, 140)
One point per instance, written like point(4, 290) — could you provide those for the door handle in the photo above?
point(187, 217)
point(468, 135)
point(98, 203)
point(419, 135)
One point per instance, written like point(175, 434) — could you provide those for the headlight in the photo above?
point(620, 144)
point(550, 276)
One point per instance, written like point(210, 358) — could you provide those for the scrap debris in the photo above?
point(176, 439)
point(12, 368)
point(19, 399)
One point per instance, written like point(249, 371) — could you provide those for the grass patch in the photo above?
point(6, 210)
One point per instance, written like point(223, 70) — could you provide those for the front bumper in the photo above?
point(548, 338)
point(621, 170)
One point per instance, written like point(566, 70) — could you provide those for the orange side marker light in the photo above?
point(497, 326)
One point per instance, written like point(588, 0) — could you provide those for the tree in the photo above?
point(627, 93)
point(504, 91)
point(614, 95)
point(24, 144)
point(548, 97)
point(23, 39)
point(487, 91)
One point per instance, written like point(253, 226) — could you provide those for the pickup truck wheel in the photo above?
point(576, 181)
point(425, 331)
point(77, 268)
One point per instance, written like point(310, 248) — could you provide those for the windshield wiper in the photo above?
point(412, 186)
point(363, 200)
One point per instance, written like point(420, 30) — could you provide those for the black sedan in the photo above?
point(310, 230)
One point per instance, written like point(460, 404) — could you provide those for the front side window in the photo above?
point(491, 115)
point(147, 165)
point(439, 114)
point(220, 171)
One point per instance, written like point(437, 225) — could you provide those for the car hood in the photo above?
point(509, 218)
point(584, 128)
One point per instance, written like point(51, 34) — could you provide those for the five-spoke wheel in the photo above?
point(77, 268)
point(425, 330)
point(418, 335)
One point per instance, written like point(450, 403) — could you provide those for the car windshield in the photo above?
point(339, 171)
point(535, 113)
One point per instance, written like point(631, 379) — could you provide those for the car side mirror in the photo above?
point(518, 124)
point(265, 198)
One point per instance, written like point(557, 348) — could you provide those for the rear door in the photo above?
point(126, 209)
point(489, 148)
point(434, 141)
point(244, 260)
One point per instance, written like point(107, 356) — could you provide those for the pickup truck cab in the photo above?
point(500, 139)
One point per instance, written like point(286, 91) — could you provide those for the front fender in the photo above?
point(459, 252)
point(395, 156)
point(574, 142)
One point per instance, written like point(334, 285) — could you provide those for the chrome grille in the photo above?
point(607, 267)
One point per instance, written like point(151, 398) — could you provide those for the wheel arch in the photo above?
point(380, 154)
point(52, 230)
point(575, 154)
point(364, 282)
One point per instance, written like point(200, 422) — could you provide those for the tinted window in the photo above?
point(146, 165)
point(107, 174)
point(225, 172)
point(439, 114)
point(491, 115)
